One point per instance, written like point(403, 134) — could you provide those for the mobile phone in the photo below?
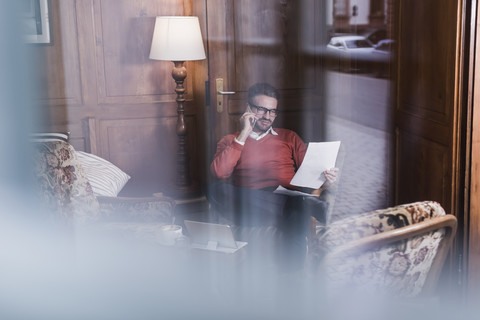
point(250, 110)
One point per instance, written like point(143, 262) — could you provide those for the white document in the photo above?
point(320, 156)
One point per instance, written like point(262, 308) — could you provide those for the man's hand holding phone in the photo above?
point(247, 121)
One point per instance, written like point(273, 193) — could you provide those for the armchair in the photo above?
point(398, 251)
point(67, 194)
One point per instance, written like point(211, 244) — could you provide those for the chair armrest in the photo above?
point(141, 209)
point(356, 227)
point(377, 240)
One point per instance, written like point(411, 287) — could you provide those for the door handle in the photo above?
point(220, 94)
point(226, 92)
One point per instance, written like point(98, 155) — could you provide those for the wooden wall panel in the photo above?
point(123, 35)
point(430, 177)
point(140, 147)
point(427, 38)
point(98, 69)
point(58, 65)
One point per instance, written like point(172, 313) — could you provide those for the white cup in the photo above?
point(170, 233)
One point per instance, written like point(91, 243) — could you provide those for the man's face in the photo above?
point(264, 118)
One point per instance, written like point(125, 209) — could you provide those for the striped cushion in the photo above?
point(49, 136)
point(106, 179)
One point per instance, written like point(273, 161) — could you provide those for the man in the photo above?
point(250, 164)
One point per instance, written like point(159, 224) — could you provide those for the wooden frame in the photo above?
point(35, 21)
point(472, 205)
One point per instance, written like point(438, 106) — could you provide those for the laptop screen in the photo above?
point(203, 232)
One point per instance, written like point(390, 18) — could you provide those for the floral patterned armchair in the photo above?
point(398, 251)
point(67, 195)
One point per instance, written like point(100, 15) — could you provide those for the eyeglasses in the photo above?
point(262, 110)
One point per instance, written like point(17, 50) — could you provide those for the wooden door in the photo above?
point(275, 41)
point(427, 105)
point(428, 115)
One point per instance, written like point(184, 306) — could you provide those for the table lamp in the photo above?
point(178, 39)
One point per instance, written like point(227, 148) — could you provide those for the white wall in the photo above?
point(363, 11)
point(361, 18)
point(329, 12)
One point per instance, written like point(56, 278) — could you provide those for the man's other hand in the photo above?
point(331, 177)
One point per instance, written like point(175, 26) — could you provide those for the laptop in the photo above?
point(213, 237)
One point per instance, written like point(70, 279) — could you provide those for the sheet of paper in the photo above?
point(320, 156)
point(289, 192)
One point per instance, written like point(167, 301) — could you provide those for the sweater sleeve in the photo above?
point(299, 150)
point(226, 157)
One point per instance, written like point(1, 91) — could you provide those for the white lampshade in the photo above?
point(177, 39)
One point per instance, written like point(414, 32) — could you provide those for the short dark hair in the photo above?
point(262, 88)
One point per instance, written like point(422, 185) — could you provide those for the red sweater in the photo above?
point(268, 162)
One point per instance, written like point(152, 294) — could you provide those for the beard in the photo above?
point(262, 125)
